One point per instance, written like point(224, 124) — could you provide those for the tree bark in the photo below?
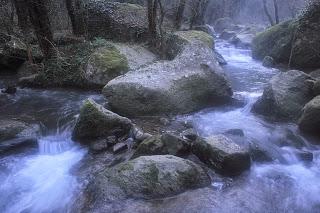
point(180, 12)
point(22, 14)
point(276, 11)
point(152, 19)
point(77, 16)
point(266, 11)
point(41, 24)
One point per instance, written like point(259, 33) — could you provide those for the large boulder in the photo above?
point(294, 41)
point(127, 21)
point(105, 64)
point(310, 119)
point(225, 23)
point(275, 42)
point(222, 154)
point(145, 177)
point(192, 81)
point(285, 96)
point(15, 52)
point(97, 122)
point(15, 133)
point(166, 144)
point(176, 42)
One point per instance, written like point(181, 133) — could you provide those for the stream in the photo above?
point(41, 180)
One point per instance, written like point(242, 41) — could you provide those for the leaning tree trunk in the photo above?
point(180, 12)
point(77, 16)
point(41, 24)
point(22, 14)
point(266, 11)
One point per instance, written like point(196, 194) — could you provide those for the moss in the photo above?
point(68, 68)
point(196, 36)
point(275, 42)
point(110, 60)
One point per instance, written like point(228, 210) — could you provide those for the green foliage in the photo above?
point(68, 67)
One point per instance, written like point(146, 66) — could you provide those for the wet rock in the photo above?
point(190, 134)
point(242, 40)
point(166, 144)
point(96, 122)
point(310, 118)
point(268, 61)
point(14, 134)
point(145, 177)
point(168, 87)
point(139, 135)
point(119, 147)
point(315, 74)
point(226, 35)
point(205, 28)
point(316, 88)
point(259, 153)
point(305, 156)
point(164, 121)
point(220, 58)
point(107, 19)
point(98, 146)
point(235, 132)
point(112, 140)
point(285, 96)
point(9, 90)
point(222, 155)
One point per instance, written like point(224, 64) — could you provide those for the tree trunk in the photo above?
point(276, 11)
point(152, 19)
point(266, 11)
point(22, 14)
point(195, 13)
point(41, 24)
point(77, 16)
point(180, 12)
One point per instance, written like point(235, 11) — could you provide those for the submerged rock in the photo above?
point(96, 122)
point(268, 61)
point(145, 177)
point(166, 144)
point(310, 119)
point(169, 86)
point(285, 96)
point(222, 155)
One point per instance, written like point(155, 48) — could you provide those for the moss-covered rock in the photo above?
point(191, 81)
point(118, 21)
point(145, 177)
point(222, 154)
point(176, 41)
point(276, 42)
point(166, 144)
point(96, 122)
point(296, 41)
point(104, 65)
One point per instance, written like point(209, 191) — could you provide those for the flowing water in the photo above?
point(41, 180)
point(288, 184)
